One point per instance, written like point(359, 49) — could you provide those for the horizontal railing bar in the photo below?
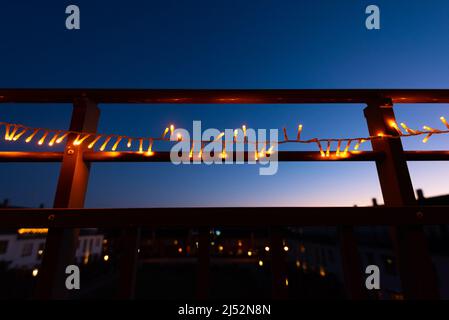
point(14, 156)
point(223, 217)
point(283, 156)
point(227, 96)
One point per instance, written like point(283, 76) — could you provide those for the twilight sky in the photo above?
point(223, 44)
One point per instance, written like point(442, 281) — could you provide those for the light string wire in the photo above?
point(50, 137)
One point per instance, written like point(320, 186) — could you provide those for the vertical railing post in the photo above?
point(60, 247)
point(414, 262)
point(203, 270)
point(128, 262)
point(352, 269)
point(278, 265)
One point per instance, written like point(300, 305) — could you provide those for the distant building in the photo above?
point(24, 248)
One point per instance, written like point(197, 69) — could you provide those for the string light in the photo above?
point(348, 145)
point(444, 122)
point(105, 143)
point(165, 132)
point(41, 141)
point(357, 146)
point(298, 137)
point(7, 127)
point(59, 140)
point(429, 129)
point(11, 136)
point(31, 136)
point(408, 130)
point(79, 141)
point(223, 151)
point(52, 141)
point(191, 150)
point(320, 147)
point(114, 147)
point(150, 148)
point(394, 125)
point(337, 153)
point(427, 138)
point(92, 144)
point(13, 132)
point(140, 145)
point(219, 136)
point(16, 137)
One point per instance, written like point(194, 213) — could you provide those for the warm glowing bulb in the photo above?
point(191, 150)
point(11, 136)
point(322, 272)
point(260, 263)
point(129, 143)
point(150, 148)
point(407, 129)
point(427, 138)
point(394, 125)
point(219, 136)
point(337, 153)
point(357, 145)
point(250, 253)
point(172, 128)
point(35, 272)
point(30, 137)
point(114, 147)
point(59, 140)
point(105, 143)
point(267, 248)
point(286, 248)
point(41, 141)
point(92, 144)
point(165, 132)
point(16, 137)
point(79, 141)
point(106, 258)
point(179, 137)
point(428, 128)
point(443, 119)
point(298, 137)
point(53, 140)
point(328, 149)
point(140, 145)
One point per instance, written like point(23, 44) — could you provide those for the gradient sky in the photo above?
point(223, 44)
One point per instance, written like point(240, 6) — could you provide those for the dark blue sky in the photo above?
point(223, 44)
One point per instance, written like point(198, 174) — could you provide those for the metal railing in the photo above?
point(400, 212)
